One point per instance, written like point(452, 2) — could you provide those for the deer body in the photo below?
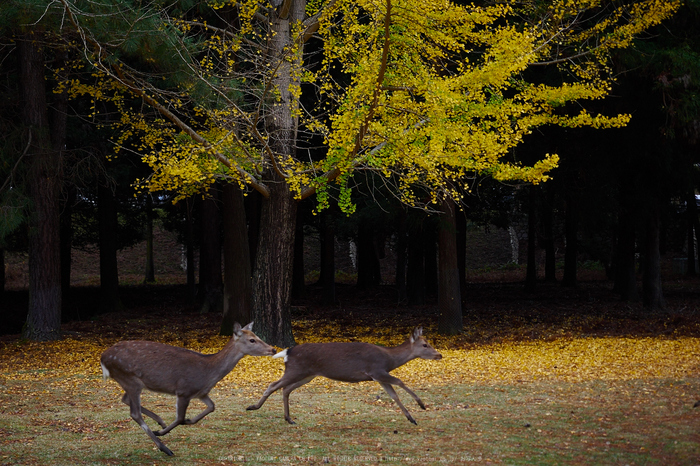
point(161, 368)
point(349, 362)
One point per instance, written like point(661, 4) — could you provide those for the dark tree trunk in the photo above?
point(368, 272)
point(2, 270)
point(431, 259)
point(625, 263)
point(531, 274)
point(189, 250)
point(327, 278)
point(415, 270)
point(109, 273)
point(253, 203)
point(66, 234)
point(272, 277)
point(550, 261)
point(210, 283)
point(461, 219)
point(651, 280)
point(401, 251)
point(238, 285)
point(44, 313)
point(692, 213)
point(298, 279)
point(571, 233)
point(449, 294)
point(150, 273)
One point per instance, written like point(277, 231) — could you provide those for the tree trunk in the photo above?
point(109, 273)
point(531, 274)
point(298, 278)
point(571, 232)
point(150, 273)
point(449, 293)
point(651, 290)
point(272, 279)
point(327, 278)
point(238, 285)
point(401, 250)
point(430, 258)
point(692, 218)
point(66, 235)
point(550, 261)
point(2, 270)
point(625, 263)
point(44, 313)
point(210, 290)
point(461, 219)
point(189, 250)
point(415, 269)
point(368, 274)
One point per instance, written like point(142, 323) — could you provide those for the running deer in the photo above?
point(136, 365)
point(349, 362)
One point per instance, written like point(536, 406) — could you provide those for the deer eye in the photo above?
point(252, 340)
point(425, 345)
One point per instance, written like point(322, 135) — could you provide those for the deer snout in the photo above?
point(438, 356)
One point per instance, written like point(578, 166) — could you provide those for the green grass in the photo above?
point(81, 421)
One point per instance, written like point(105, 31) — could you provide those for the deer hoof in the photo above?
point(413, 421)
point(166, 450)
point(251, 408)
point(289, 420)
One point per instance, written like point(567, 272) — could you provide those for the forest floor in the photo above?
point(557, 376)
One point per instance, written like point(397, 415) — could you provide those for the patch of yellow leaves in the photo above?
point(571, 359)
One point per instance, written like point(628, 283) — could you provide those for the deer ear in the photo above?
point(237, 329)
point(249, 327)
point(417, 332)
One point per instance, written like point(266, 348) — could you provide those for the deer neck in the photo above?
point(401, 354)
point(226, 359)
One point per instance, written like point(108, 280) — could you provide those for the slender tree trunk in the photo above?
point(531, 274)
point(401, 250)
point(150, 273)
point(210, 283)
point(238, 285)
point(44, 313)
point(571, 232)
point(692, 214)
point(189, 250)
point(109, 273)
point(327, 278)
point(550, 261)
point(449, 293)
point(298, 279)
point(652, 291)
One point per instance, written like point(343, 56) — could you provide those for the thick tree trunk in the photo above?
point(211, 285)
point(238, 285)
point(430, 259)
point(449, 293)
point(44, 313)
point(692, 219)
point(109, 273)
point(150, 272)
point(461, 220)
point(651, 280)
point(272, 279)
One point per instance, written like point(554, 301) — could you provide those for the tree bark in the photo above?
point(210, 283)
point(652, 293)
point(531, 273)
point(238, 284)
point(109, 272)
point(272, 277)
point(44, 313)
point(571, 232)
point(150, 272)
point(449, 293)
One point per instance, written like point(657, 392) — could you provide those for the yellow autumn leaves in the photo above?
point(570, 359)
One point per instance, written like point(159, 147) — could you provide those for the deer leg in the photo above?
point(388, 378)
point(210, 407)
point(181, 407)
point(289, 389)
point(135, 405)
point(147, 412)
point(274, 386)
point(392, 393)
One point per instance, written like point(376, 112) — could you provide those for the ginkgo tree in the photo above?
point(425, 93)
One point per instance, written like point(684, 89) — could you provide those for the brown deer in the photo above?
point(349, 362)
point(136, 365)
